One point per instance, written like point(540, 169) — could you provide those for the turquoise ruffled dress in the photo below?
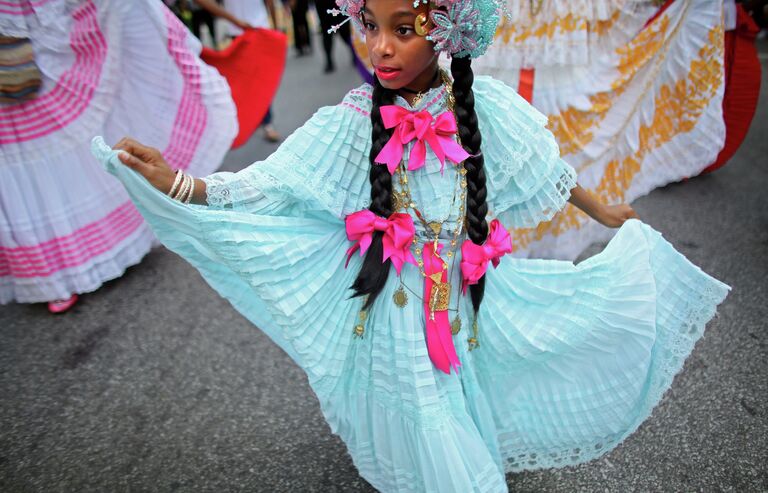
point(572, 358)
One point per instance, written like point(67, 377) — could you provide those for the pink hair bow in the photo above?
point(398, 236)
point(475, 258)
point(410, 125)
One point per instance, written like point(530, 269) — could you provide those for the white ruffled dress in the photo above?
point(634, 97)
point(113, 68)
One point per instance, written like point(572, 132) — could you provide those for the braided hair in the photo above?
point(477, 207)
point(373, 273)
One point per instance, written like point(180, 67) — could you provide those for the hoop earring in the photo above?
point(420, 24)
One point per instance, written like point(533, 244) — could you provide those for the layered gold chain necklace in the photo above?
point(402, 199)
point(439, 296)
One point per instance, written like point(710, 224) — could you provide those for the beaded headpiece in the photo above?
point(460, 28)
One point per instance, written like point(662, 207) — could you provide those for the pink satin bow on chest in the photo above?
point(398, 235)
point(410, 125)
point(475, 258)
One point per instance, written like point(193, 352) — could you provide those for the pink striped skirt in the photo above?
point(113, 69)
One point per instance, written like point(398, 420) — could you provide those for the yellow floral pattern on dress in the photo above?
point(517, 32)
point(601, 28)
point(641, 50)
point(572, 127)
point(678, 107)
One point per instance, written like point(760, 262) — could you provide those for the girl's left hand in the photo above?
point(614, 216)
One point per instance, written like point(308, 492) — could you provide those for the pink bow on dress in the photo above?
point(410, 125)
point(474, 258)
point(398, 236)
point(440, 346)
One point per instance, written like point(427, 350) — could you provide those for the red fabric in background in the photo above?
point(742, 85)
point(525, 86)
point(661, 10)
point(253, 65)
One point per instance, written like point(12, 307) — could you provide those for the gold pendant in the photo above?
point(360, 327)
point(456, 325)
point(400, 297)
point(472, 341)
point(397, 202)
point(439, 296)
point(436, 227)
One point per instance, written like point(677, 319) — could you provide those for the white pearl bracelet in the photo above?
point(186, 188)
point(176, 182)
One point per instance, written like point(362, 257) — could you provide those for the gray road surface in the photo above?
point(154, 383)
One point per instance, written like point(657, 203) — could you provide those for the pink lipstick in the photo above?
point(386, 73)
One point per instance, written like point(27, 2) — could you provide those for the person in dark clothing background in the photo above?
point(326, 22)
point(201, 16)
point(301, 38)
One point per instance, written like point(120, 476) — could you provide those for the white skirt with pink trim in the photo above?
point(114, 68)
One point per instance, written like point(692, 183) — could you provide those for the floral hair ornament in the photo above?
point(459, 28)
point(351, 9)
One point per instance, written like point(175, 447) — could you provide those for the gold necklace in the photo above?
point(456, 323)
point(441, 291)
point(419, 95)
point(405, 198)
point(439, 298)
point(440, 295)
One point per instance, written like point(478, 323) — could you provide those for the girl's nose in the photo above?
point(383, 47)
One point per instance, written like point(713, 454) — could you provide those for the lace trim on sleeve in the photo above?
point(219, 195)
point(550, 197)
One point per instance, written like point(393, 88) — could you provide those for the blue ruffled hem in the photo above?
point(585, 352)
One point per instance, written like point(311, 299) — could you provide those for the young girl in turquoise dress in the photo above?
point(362, 247)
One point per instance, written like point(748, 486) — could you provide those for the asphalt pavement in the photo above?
point(154, 383)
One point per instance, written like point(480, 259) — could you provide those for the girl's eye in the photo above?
point(368, 26)
point(404, 30)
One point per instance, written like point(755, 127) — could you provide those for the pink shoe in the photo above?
point(60, 306)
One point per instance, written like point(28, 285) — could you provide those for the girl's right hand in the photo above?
point(146, 161)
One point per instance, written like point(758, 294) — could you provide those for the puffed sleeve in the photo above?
point(273, 242)
point(322, 165)
point(527, 180)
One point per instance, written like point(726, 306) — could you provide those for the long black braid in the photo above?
point(373, 273)
point(477, 208)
